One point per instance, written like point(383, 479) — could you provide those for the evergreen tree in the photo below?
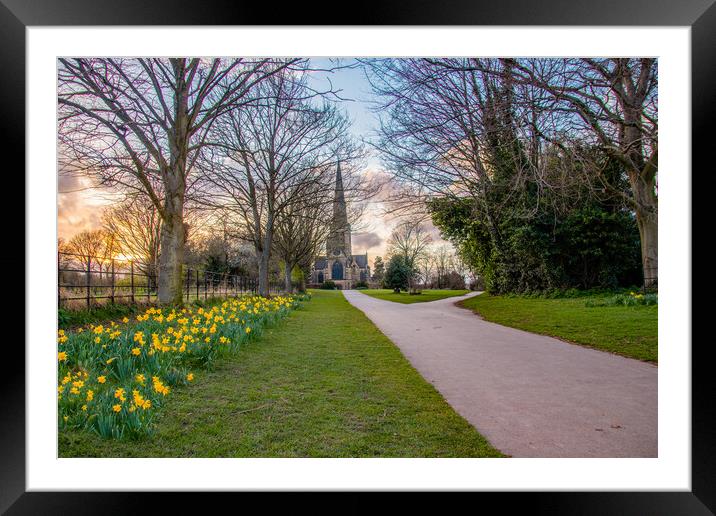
point(397, 274)
point(378, 269)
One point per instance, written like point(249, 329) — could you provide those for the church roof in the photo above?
point(361, 260)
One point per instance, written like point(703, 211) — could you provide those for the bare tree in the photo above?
point(486, 128)
point(615, 101)
point(135, 226)
point(88, 246)
point(444, 257)
point(409, 240)
point(301, 230)
point(140, 124)
point(610, 103)
point(450, 130)
point(273, 158)
point(426, 265)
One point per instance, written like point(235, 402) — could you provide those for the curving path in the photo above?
point(529, 395)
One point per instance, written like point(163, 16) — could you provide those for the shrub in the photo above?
point(630, 299)
point(398, 273)
point(591, 246)
point(454, 281)
point(360, 284)
point(328, 285)
point(477, 284)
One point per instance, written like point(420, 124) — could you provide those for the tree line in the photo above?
point(247, 146)
point(416, 262)
point(542, 172)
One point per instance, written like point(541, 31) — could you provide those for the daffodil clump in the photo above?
point(630, 299)
point(113, 378)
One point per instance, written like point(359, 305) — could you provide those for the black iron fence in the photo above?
point(650, 281)
point(91, 280)
point(650, 285)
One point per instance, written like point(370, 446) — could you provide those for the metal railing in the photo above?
point(92, 280)
point(650, 285)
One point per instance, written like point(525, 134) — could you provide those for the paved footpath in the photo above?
point(529, 395)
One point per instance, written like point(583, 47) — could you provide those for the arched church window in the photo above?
point(337, 271)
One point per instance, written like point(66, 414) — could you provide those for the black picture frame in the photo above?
point(17, 15)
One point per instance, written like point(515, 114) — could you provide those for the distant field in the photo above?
point(405, 298)
point(630, 331)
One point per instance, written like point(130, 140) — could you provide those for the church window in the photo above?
point(337, 271)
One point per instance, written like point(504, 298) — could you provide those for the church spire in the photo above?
point(339, 201)
point(339, 240)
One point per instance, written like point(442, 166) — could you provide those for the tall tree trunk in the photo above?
point(305, 272)
point(263, 273)
point(647, 220)
point(288, 285)
point(173, 232)
point(170, 261)
point(264, 256)
point(642, 179)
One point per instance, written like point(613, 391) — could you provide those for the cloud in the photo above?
point(79, 206)
point(367, 240)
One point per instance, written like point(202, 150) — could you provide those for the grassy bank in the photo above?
point(67, 319)
point(323, 383)
point(405, 298)
point(630, 331)
point(71, 319)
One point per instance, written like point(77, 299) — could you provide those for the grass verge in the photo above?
point(67, 319)
point(405, 298)
point(72, 319)
point(323, 383)
point(630, 331)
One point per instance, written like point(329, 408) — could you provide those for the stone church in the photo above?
point(340, 265)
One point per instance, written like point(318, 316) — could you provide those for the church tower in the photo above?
point(339, 238)
point(339, 265)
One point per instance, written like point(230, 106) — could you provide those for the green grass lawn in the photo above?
point(404, 297)
point(626, 330)
point(323, 383)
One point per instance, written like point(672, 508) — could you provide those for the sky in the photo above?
point(79, 205)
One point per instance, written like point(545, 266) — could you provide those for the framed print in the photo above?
point(413, 250)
